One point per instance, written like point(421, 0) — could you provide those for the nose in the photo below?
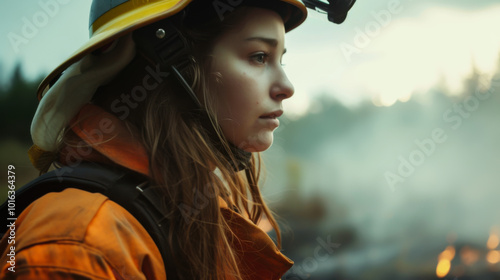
point(282, 87)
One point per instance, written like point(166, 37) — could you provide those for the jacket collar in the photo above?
point(109, 136)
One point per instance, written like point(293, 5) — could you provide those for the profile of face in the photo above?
point(253, 82)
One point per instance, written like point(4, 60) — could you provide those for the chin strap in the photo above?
point(241, 157)
point(164, 44)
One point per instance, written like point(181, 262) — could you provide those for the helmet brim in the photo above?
point(140, 17)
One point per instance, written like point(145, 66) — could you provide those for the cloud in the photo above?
point(410, 54)
point(414, 55)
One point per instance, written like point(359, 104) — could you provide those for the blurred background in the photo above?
point(387, 161)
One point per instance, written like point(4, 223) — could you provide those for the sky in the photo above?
point(386, 51)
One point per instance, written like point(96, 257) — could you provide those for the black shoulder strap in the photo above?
point(128, 189)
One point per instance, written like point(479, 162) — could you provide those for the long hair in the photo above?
point(192, 160)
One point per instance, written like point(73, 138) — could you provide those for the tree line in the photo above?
point(18, 103)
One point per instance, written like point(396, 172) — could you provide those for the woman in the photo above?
point(182, 93)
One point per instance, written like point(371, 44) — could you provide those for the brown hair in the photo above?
point(183, 154)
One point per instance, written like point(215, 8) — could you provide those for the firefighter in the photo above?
point(183, 94)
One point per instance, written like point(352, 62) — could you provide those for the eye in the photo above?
point(260, 58)
point(281, 60)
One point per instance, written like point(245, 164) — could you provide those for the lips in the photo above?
point(272, 115)
point(271, 119)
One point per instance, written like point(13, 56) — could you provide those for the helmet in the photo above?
point(112, 19)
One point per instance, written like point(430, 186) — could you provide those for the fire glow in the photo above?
point(444, 261)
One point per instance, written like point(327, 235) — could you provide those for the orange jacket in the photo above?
point(75, 234)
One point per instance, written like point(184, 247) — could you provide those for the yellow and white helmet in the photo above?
point(112, 19)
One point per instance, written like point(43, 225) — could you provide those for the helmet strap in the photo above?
point(163, 43)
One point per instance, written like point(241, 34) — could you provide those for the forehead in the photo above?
point(251, 22)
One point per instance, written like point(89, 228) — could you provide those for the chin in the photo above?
point(257, 143)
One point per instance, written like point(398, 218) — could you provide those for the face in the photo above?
point(253, 82)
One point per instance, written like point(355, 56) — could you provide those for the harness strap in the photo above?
point(130, 190)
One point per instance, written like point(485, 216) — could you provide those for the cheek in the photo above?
point(238, 93)
point(238, 103)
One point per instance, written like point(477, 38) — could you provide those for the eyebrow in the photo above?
point(271, 42)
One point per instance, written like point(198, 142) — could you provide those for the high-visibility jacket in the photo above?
point(75, 234)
